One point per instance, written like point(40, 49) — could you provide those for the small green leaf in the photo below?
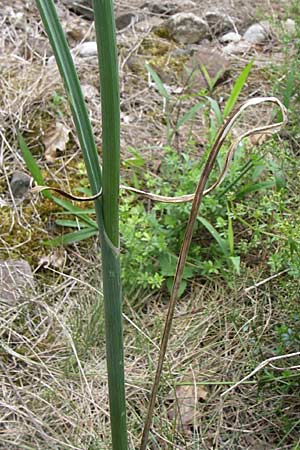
point(236, 90)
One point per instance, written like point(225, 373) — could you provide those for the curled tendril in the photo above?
point(223, 133)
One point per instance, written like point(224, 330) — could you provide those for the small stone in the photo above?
point(149, 24)
point(124, 20)
point(87, 49)
point(218, 22)
point(258, 33)
point(82, 7)
point(187, 28)
point(168, 8)
point(232, 36)
point(215, 64)
point(236, 48)
point(16, 280)
point(289, 27)
point(89, 91)
point(19, 184)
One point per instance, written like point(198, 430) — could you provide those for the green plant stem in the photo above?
point(109, 233)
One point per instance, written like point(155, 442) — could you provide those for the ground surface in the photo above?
point(52, 361)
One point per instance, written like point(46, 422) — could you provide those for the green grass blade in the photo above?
point(189, 114)
point(222, 243)
point(70, 208)
point(71, 223)
point(68, 72)
point(158, 83)
point(254, 187)
point(71, 238)
point(32, 165)
point(236, 90)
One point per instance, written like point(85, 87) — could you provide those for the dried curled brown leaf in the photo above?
point(55, 139)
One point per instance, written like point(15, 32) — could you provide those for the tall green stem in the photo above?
point(110, 104)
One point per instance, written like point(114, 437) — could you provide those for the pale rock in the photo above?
point(169, 8)
point(232, 36)
point(289, 27)
point(89, 91)
point(258, 32)
point(16, 281)
point(236, 48)
point(187, 28)
point(218, 22)
point(87, 49)
point(147, 25)
point(205, 58)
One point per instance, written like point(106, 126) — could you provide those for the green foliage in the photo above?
point(151, 234)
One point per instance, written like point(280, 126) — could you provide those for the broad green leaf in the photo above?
point(182, 287)
point(168, 264)
point(236, 90)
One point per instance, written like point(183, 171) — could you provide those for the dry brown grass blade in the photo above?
point(261, 366)
point(220, 138)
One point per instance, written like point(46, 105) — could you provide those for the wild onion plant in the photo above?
point(105, 188)
point(105, 183)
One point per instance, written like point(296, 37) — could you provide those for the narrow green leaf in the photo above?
point(68, 72)
point(32, 165)
point(255, 187)
point(230, 233)
point(109, 233)
point(190, 114)
point(71, 238)
point(216, 109)
point(236, 90)
point(158, 83)
point(290, 87)
point(236, 262)
point(70, 208)
point(71, 223)
point(221, 241)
